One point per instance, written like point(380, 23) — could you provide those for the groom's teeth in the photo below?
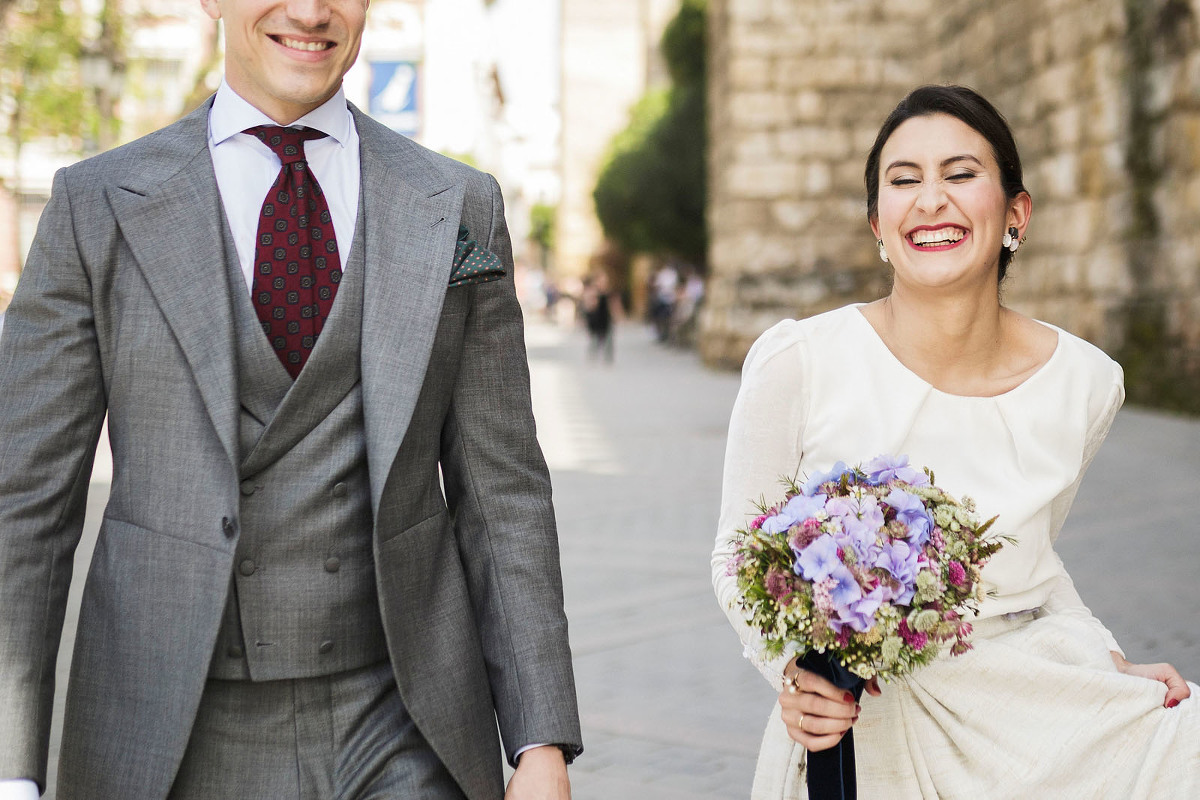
point(298, 45)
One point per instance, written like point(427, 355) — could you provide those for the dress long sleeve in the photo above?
point(764, 445)
point(1063, 597)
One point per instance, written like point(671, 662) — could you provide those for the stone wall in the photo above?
point(1104, 99)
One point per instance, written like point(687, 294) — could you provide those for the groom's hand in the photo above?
point(541, 775)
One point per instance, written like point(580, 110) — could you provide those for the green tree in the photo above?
point(650, 196)
point(541, 229)
point(40, 47)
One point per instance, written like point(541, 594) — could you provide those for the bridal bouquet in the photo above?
point(873, 567)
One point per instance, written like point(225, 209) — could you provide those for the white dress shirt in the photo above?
point(246, 168)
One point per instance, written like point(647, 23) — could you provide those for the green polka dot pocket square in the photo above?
point(473, 263)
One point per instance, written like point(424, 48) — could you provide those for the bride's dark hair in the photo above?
point(963, 104)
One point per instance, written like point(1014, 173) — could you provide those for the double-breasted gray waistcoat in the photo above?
point(302, 600)
point(126, 308)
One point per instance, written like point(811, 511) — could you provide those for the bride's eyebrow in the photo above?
point(945, 162)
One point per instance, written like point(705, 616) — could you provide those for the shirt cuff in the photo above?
point(18, 789)
point(516, 758)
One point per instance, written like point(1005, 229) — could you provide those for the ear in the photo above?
point(875, 227)
point(212, 8)
point(1019, 212)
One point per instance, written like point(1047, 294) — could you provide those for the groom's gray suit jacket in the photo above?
point(128, 306)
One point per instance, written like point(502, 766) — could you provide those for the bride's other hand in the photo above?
point(817, 713)
point(1177, 688)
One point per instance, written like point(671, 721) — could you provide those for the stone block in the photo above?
point(818, 178)
point(750, 72)
point(814, 141)
point(750, 11)
point(808, 106)
point(755, 147)
point(793, 215)
point(1059, 176)
point(1055, 86)
point(763, 180)
point(759, 110)
point(1065, 127)
point(835, 72)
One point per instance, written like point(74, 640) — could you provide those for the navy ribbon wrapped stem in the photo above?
point(831, 774)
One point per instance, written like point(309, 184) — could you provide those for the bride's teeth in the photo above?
point(940, 236)
point(310, 46)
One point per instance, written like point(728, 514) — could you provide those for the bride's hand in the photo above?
point(1177, 688)
point(817, 713)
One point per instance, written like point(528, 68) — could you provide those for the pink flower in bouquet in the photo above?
point(913, 639)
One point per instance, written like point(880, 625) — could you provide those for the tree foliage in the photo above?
point(650, 196)
point(39, 72)
point(541, 225)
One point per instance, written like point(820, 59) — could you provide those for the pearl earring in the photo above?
point(1011, 240)
point(883, 256)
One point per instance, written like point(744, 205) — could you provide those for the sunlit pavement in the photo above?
point(670, 709)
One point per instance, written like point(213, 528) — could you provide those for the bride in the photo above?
point(1004, 409)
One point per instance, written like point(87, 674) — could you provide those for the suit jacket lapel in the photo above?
point(169, 212)
point(412, 216)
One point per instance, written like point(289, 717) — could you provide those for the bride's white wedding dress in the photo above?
point(1037, 708)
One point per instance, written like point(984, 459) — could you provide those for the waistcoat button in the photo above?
point(340, 490)
point(235, 651)
point(247, 567)
point(326, 646)
point(333, 564)
point(248, 487)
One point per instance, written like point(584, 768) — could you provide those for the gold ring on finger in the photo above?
point(800, 724)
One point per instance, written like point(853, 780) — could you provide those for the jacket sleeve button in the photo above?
point(340, 490)
point(333, 564)
point(326, 647)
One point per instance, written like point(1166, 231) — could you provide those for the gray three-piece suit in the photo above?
point(391, 504)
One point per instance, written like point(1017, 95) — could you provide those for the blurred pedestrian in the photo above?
point(600, 309)
point(662, 304)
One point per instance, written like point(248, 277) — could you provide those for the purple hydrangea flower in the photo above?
point(911, 511)
point(845, 590)
point(818, 479)
point(885, 468)
point(900, 560)
point(818, 561)
point(798, 509)
point(860, 614)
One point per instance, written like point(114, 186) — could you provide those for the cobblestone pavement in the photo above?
point(670, 709)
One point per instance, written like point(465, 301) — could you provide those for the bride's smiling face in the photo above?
point(942, 209)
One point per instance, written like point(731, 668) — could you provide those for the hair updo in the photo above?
point(972, 109)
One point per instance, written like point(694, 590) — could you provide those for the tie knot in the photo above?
point(287, 143)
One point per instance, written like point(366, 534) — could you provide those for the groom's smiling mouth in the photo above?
point(313, 46)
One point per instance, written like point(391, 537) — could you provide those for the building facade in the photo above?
point(1104, 99)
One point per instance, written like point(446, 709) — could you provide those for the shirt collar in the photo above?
point(231, 114)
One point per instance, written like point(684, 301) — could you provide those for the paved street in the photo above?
point(670, 709)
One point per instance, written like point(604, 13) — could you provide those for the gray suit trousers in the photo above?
point(341, 737)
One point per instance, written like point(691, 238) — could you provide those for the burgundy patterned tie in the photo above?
point(296, 263)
